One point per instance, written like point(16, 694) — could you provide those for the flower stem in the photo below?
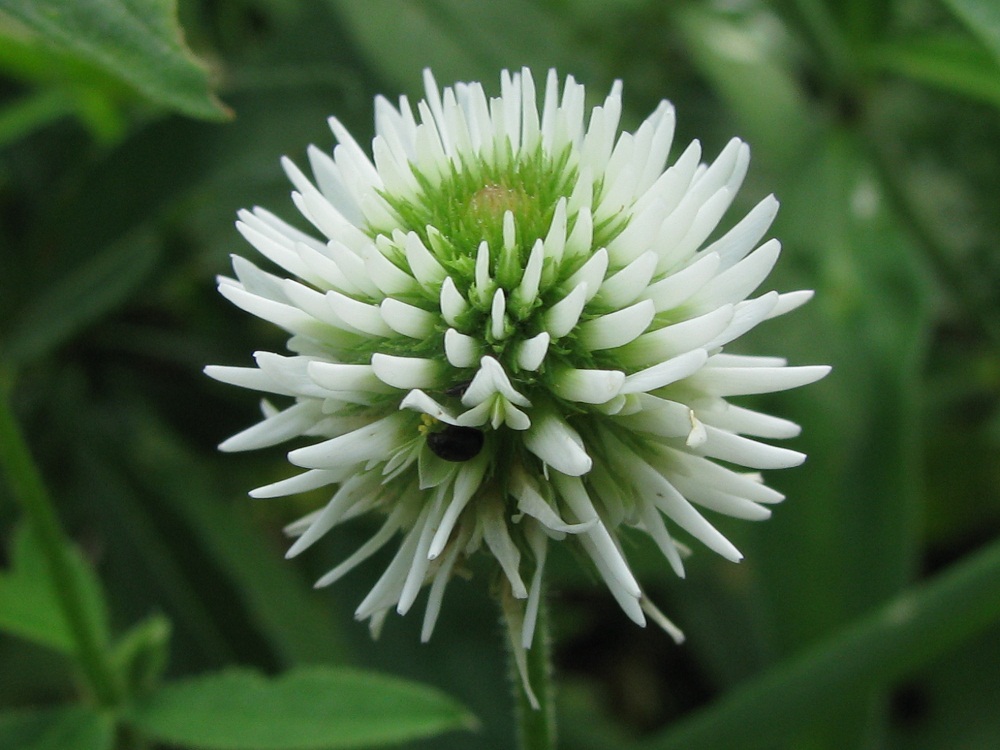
point(28, 488)
point(535, 709)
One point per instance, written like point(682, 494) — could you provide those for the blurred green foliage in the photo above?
point(865, 613)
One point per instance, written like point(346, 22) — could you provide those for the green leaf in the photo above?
point(747, 68)
point(306, 709)
point(983, 19)
point(70, 728)
point(947, 62)
point(141, 654)
point(28, 604)
point(95, 287)
point(872, 654)
point(136, 41)
point(457, 39)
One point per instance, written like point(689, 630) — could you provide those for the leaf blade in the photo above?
point(305, 709)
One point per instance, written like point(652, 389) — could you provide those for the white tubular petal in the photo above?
point(628, 284)
point(737, 283)
point(359, 315)
point(385, 593)
point(657, 529)
point(386, 275)
point(356, 488)
point(467, 481)
point(676, 288)
point(419, 401)
point(353, 267)
point(436, 595)
point(292, 319)
point(307, 480)
point(746, 422)
point(740, 450)
point(484, 282)
point(587, 386)
point(538, 542)
point(744, 381)
point(590, 273)
point(292, 422)
point(672, 340)
point(790, 301)
point(362, 553)
point(461, 350)
point(659, 417)
point(418, 570)
point(291, 373)
point(555, 240)
point(562, 317)
point(681, 512)
point(376, 440)
point(746, 315)
point(581, 238)
point(749, 485)
point(665, 373)
point(498, 316)
point(571, 490)
point(408, 320)
point(617, 328)
point(527, 290)
point(734, 245)
point(281, 253)
point(453, 304)
point(249, 377)
point(558, 445)
point(629, 603)
point(660, 619)
point(531, 352)
point(718, 501)
point(702, 224)
point(531, 502)
point(491, 379)
point(423, 264)
point(409, 372)
point(340, 377)
point(497, 538)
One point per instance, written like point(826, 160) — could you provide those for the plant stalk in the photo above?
point(26, 483)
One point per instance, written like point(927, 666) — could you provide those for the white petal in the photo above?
point(791, 301)
point(284, 425)
point(360, 315)
point(587, 386)
point(590, 273)
point(665, 373)
point(407, 319)
point(409, 372)
point(489, 380)
point(672, 340)
point(376, 440)
point(628, 284)
point(558, 445)
point(743, 381)
point(676, 288)
point(453, 304)
point(461, 350)
point(304, 482)
point(423, 264)
point(740, 450)
point(531, 352)
point(617, 328)
point(341, 377)
point(562, 317)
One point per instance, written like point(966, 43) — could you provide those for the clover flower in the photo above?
point(511, 333)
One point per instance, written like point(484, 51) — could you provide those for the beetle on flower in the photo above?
point(512, 333)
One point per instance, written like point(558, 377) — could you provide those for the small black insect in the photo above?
point(455, 443)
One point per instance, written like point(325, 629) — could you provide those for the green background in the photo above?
point(866, 612)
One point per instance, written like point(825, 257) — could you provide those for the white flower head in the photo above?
point(512, 332)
